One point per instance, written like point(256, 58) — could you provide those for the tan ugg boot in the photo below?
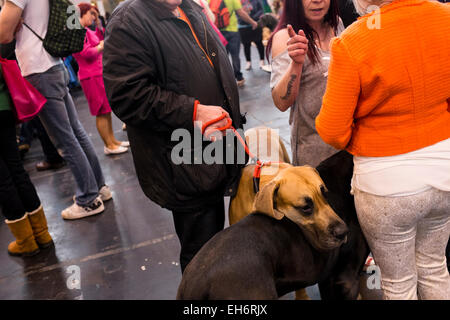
point(40, 230)
point(25, 245)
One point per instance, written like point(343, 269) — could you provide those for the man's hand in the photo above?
point(297, 45)
point(207, 113)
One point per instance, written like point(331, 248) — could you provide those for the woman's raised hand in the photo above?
point(297, 45)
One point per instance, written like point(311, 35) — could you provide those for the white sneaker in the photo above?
point(77, 212)
point(267, 68)
point(105, 193)
point(248, 65)
point(118, 150)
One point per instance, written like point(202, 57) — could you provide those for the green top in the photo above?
point(5, 99)
point(232, 6)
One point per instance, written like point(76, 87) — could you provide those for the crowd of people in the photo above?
point(379, 91)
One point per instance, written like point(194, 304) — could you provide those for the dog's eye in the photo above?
point(308, 208)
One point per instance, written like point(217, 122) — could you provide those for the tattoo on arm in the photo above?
point(289, 87)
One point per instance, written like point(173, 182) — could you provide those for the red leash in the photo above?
point(258, 163)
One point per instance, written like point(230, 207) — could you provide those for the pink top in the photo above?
point(89, 59)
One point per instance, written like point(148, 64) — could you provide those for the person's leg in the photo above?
point(12, 206)
point(389, 225)
point(432, 236)
point(246, 42)
point(51, 154)
point(104, 127)
point(14, 201)
point(56, 121)
point(233, 47)
point(83, 139)
point(257, 39)
point(194, 229)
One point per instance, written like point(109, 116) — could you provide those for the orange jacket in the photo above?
point(388, 89)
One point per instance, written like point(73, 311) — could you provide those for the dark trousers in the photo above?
point(233, 48)
point(196, 228)
point(17, 192)
point(248, 35)
point(26, 136)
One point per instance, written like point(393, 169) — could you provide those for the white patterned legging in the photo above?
point(408, 236)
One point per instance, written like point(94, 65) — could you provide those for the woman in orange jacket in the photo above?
point(388, 103)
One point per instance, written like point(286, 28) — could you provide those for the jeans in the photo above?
point(26, 136)
point(60, 119)
point(194, 229)
point(408, 236)
point(233, 48)
point(17, 192)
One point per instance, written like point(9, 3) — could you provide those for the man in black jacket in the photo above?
point(164, 69)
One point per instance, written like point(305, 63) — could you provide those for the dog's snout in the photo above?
point(339, 230)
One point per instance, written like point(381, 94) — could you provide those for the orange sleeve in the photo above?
point(335, 120)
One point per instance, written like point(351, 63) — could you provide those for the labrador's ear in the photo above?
point(265, 200)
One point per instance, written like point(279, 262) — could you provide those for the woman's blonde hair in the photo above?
point(362, 6)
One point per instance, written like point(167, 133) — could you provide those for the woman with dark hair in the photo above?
point(300, 54)
point(91, 79)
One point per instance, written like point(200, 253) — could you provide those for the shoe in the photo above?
point(105, 193)
point(261, 64)
point(77, 212)
point(248, 65)
point(44, 165)
point(124, 143)
point(25, 244)
point(40, 229)
point(240, 83)
point(118, 150)
point(267, 68)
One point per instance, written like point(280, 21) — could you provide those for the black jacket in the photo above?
point(154, 70)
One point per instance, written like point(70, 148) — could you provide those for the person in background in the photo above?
point(347, 12)
point(19, 200)
point(99, 24)
point(211, 19)
point(231, 33)
point(59, 115)
point(52, 159)
point(174, 77)
point(300, 54)
point(387, 102)
point(248, 35)
point(90, 74)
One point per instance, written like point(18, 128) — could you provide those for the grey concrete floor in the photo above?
point(130, 251)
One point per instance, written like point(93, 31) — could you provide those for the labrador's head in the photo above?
point(299, 194)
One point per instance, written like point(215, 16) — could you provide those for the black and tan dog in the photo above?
point(261, 258)
point(264, 258)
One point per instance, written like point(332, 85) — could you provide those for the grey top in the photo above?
point(306, 145)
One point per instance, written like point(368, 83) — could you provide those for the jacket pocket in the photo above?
point(192, 180)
